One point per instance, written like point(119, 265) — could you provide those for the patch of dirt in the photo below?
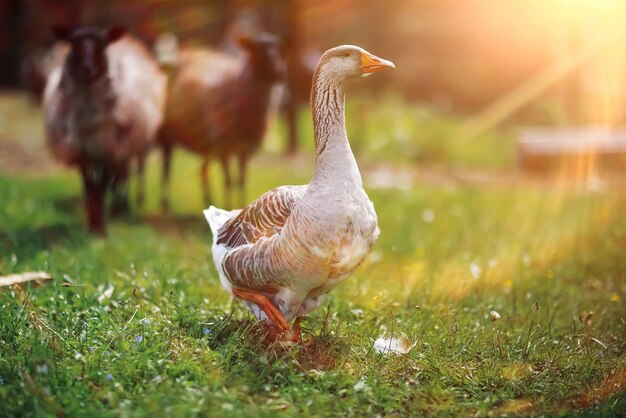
point(614, 384)
point(319, 354)
point(594, 394)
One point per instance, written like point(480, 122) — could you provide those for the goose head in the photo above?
point(348, 63)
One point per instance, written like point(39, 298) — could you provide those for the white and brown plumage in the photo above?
point(288, 248)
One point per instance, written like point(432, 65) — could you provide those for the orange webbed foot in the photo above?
point(271, 311)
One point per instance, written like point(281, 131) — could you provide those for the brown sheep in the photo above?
point(217, 107)
point(102, 109)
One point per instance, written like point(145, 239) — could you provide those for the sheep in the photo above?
point(103, 108)
point(217, 107)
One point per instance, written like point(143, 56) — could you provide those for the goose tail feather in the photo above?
point(217, 217)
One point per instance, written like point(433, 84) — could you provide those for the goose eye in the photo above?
point(346, 54)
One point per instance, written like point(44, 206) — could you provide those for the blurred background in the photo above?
point(494, 154)
point(536, 85)
point(457, 54)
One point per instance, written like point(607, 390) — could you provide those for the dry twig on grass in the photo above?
point(20, 278)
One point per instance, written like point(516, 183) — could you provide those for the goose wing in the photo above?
point(265, 217)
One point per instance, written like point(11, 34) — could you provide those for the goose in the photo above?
point(282, 253)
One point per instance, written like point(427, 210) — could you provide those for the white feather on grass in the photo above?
point(400, 345)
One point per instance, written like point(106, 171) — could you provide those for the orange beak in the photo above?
point(371, 63)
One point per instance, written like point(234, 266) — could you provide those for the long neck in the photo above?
point(333, 157)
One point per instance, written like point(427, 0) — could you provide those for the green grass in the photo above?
point(137, 324)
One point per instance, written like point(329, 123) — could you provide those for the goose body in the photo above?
point(291, 246)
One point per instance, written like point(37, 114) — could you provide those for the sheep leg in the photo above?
point(95, 184)
point(291, 113)
point(165, 177)
point(141, 169)
point(243, 163)
point(204, 173)
point(119, 204)
point(227, 183)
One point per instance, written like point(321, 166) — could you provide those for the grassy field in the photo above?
point(137, 324)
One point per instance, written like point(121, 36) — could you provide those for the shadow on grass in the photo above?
point(30, 241)
point(27, 241)
point(250, 341)
point(72, 204)
point(321, 353)
point(24, 240)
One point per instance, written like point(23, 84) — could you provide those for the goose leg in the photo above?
point(204, 173)
point(265, 305)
